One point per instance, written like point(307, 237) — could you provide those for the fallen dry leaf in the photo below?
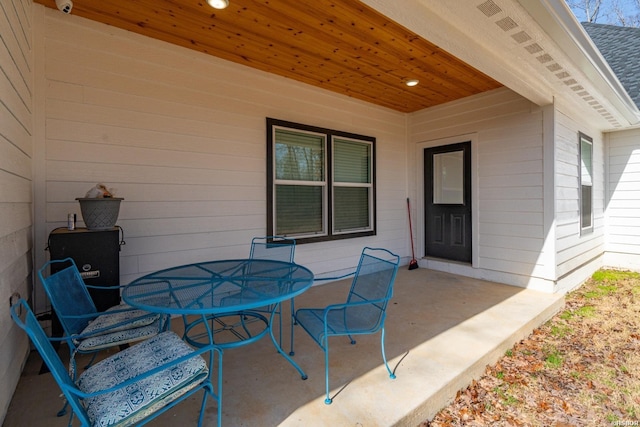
point(577, 370)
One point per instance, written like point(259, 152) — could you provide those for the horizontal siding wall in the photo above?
point(575, 250)
point(623, 200)
point(16, 130)
point(510, 227)
point(181, 136)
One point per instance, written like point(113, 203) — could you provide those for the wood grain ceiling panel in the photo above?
point(340, 45)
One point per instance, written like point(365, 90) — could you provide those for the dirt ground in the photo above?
point(581, 368)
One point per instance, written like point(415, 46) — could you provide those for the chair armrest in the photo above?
point(321, 279)
point(100, 287)
point(331, 307)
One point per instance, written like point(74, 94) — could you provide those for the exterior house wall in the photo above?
point(578, 254)
point(181, 136)
point(16, 64)
point(623, 200)
point(510, 225)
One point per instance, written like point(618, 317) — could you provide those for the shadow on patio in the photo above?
point(442, 330)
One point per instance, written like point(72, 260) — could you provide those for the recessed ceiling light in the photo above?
point(412, 82)
point(218, 4)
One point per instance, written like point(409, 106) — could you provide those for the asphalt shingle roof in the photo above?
point(620, 46)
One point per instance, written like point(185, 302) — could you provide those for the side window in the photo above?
point(586, 183)
point(320, 182)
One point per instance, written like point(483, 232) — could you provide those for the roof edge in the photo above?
point(558, 21)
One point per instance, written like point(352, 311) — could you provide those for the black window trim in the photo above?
point(330, 133)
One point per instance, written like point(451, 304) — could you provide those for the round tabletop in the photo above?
point(217, 287)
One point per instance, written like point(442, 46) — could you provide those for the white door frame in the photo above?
point(419, 206)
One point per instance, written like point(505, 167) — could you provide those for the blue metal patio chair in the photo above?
point(276, 248)
point(241, 326)
point(85, 329)
point(132, 386)
point(364, 311)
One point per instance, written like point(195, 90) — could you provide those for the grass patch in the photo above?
point(613, 275)
point(560, 331)
point(601, 291)
point(553, 360)
point(586, 311)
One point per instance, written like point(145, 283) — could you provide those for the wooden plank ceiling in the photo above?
point(340, 45)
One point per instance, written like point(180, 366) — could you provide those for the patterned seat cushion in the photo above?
point(100, 342)
point(123, 315)
point(134, 402)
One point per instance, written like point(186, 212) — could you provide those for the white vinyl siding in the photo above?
point(181, 137)
point(16, 184)
point(623, 200)
point(573, 248)
point(508, 173)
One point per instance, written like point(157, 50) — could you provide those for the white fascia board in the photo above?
point(558, 21)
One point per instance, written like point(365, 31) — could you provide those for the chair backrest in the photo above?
point(275, 248)
point(68, 295)
point(49, 355)
point(373, 285)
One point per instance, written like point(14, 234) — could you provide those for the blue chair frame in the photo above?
point(277, 248)
point(238, 324)
point(86, 330)
point(364, 311)
point(98, 394)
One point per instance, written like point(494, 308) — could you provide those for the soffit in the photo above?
point(534, 47)
point(343, 46)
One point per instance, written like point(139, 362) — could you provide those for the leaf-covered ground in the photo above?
point(581, 368)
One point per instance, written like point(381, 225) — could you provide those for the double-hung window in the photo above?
point(320, 182)
point(586, 183)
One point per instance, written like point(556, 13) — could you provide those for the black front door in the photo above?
point(447, 184)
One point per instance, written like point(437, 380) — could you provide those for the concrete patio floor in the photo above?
point(441, 332)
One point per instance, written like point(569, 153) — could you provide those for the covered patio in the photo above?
point(442, 330)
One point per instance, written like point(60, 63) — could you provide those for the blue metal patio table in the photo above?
point(219, 288)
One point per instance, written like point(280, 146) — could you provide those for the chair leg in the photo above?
point(209, 388)
point(202, 406)
point(70, 420)
point(384, 357)
point(220, 388)
point(63, 411)
point(293, 323)
point(328, 399)
point(93, 358)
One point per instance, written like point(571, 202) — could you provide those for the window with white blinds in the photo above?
point(320, 182)
point(586, 183)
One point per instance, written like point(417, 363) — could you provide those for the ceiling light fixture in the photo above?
point(218, 4)
point(412, 82)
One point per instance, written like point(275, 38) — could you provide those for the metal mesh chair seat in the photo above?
point(338, 321)
point(132, 386)
point(364, 312)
